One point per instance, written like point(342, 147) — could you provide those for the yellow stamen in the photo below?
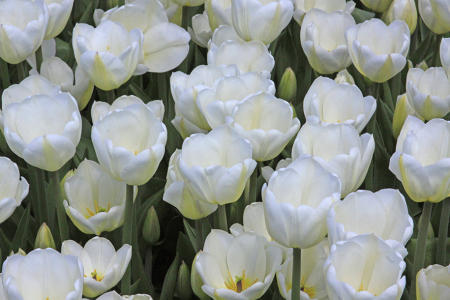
point(90, 212)
point(135, 152)
point(240, 283)
point(96, 206)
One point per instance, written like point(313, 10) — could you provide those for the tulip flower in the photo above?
point(383, 213)
point(436, 15)
point(173, 11)
point(402, 10)
point(222, 35)
point(339, 149)
point(96, 202)
point(130, 143)
point(260, 20)
point(323, 39)
point(100, 109)
point(114, 296)
point(428, 92)
point(445, 55)
point(421, 161)
point(165, 44)
point(103, 266)
point(378, 51)
point(42, 274)
point(23, 26)
point(377, 5)
point(296, 202)
point(200, 32)
point(48, 48)
point(216, 166)
point(433, 283)
point(108, 64)
point(313, 280)
point(59, 13)
point(303, 6)
point(250, 56)
point(328, 102)
point(14, 188)
point(177, 194)
point(42, 129)
point(348, 267)
point(267, 122)
point(344, 77)
point(219, 13)
point(236, 268)
point(402, 110)
point(267, 171)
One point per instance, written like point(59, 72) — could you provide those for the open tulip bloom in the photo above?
point(433, 283)
point(303, 6)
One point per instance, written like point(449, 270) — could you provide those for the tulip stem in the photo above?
point(35, 200)
point(421, 246)
point(121, 3)
point(296, 270)
point(39, 59)
point(110, 96)
point(127, 237)
point(5, 74)
point(61, 212)
point(222, 218)
point(20, 71)
point(42, 196)
point(186, 14)
point(388, 96)
point(198, 234)
point(437, 46)
point(443, 233)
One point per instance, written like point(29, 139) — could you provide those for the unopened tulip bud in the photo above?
point(68, 175)
point(151, 229)
point(288, 86)
point(423, 65)
point(344, 77)
point(197, 283)
point(402, 110)
point(402, 10)
point(377, 5)
point(184, 282)
point(44, 238)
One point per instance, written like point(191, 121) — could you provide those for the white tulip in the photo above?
point(2, 291)
point(108, 54)
point(436, 15)
point(378, 51)
point(130, 143)
point(59, 13)
point(103, 266)
point(42, 274)
point(383, 213)
point(328, 102)
point(174, 11)
point(215, 166)
point(14, 188)
point(312, 278)
point(260, 20)
point(303, 6)
point(96, 202)
point(266, 122)
point(433, 283)
point(323, 39)
point(219, 12)
point(200, 32)
point(114, 296)
point(362, 268)
point(177, 194)
point(48, 48)
point(377, 5)
point(402, 10)
point(236, 268)
point(23, 24)
point(267, 171)
point(296, 202)
point(100, 109)
point(403, 109)
point(221, 35)
point(422, 160)
point(165, 44)
point(445, 55)
point(339, 149)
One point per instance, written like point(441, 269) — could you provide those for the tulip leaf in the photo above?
point(190, 232)
point(20, 238)
point(88, 16)
point(170, 280)
point(361, 16)
point(186, 249)
point(206, 228)
point(142, 214)
point(5, 244)
point(421, 51)
point(135, 286)
point(139, 93)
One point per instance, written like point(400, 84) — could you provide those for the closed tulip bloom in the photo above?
point(174, 12)
point(296, 202)
point(165, 44)
point(42, 274)
point(95, 201)
point(428, 92)
point(378, 51)
point(200, 32)
point(14, 188)
point(103, 266)
point(328, 102)
point(436, 15)
point(222, 35)
point(383, 213)
point(108, 54)
point(236, 268)
point(59, 13)
point(219, 13)
point(114, 296)
point(339, 149)
point(377, 5)
point(260, 20)
point(100, 109)
point(421, 161)
point(177, 194)
point(303, 6)
point(344, 77)
point(130, 143)
point(267, 171)
point(445, 55)
point(312, 284)
point(267, 122)
point(402, 10)
point(216, 166)
point(364, 267)
point(433, 283)
point(323, 39)
point(23, 24)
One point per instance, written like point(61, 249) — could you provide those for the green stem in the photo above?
point(32, 178)
point(222, 218)
point(388, 95)
point(127, 237)
point(42, 196)
point(5, 74)
point(162, 88)
point(185, 17)
point(252, 192)
point(296, 270)
point(421, 246)
point(39, 59)
point(443, 233)
point(20, 71)
point(396, 87)
point(198, 235)
point(110, 96)
point(121, 3)
point(148, 264)
point(437, 46)
point(61, 212)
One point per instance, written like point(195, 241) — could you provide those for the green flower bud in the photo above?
point(197, 283)
point(288, 86)
point(184, 282)
point(44, 238)
point(151, 229)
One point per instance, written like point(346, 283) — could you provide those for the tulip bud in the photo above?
point(402, 110)
point(44, 238)
point(151, 229)
point(344, 77)
point(423, 65)
point(288, 86)
point(402, 10)
point(196, 282)
point(63, 181)
point(112, 3)
point(183, 282)
point(430, 234)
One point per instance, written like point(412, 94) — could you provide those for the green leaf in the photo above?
point(5, 244)
point(419, 54)
point(88, 16)
point(170, 280)
point(20, 238)
point(135, 286)
point(362, 15)
point(185, 249)
point(190, 232)
point(142, 214)
point(139, 93)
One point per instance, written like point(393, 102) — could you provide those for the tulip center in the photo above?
point(95, 276)
point(361, 288)
point(98, 209)
point(310, 290)
point(240, 283)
